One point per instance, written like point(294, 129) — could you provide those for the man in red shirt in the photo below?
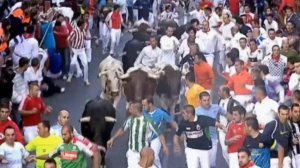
point(31, 109)
point(236, 134)
point(114, 22)
point(61, 32)
point(6, 122)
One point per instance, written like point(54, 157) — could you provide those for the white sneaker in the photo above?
point(69, 79)
point(62, 90)
point(65, 77)
point(87, 82)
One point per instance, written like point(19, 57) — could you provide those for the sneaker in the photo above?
point(87, 82)
point(69, 79)
point(65, 77)
point(97, 42)
point(62, 90)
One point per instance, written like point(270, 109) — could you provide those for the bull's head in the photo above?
point(110, 79)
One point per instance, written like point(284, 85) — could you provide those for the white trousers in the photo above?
point(79, 53)
point(233, 160)
point(115, 35)
point(296, 161)
point(104, 34)
point(286, 162)
point(210, 59)
point(222, 135)
point(213, 152)
point(88, 50)
point(133, 159)
point(30, 132)
point(156, 146)
point(196, 158)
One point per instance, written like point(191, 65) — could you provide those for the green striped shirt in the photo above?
point(140, 131)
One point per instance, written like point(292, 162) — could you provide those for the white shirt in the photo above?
point(198, 14)
point(265, 110)
point(235, 41)
point(268, 44)
point(28, 48)
point(213, 20)
point(184, 48)
point(148, 56)
point(244, 53)
point(294, 83)
point(33, 75)
point(225, 29)
point(13, 154)
point(230, 70)
point(273, 25)
point(169, 16)
point(20, 88)
point(207, 41)
point(256, 54)
point(168, 45)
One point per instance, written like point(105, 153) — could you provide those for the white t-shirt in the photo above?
point(14, 155)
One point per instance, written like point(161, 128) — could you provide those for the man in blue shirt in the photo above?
point(158, 116)
point(213, 111)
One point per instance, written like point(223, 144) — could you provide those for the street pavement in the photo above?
point(77, 94)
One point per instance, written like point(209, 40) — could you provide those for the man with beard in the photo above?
point(295, 126)
point(72, 152)
point(245, 159)
point(280, 132)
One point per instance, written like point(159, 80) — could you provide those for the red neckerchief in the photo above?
point(250, 164)
point(276, 58)
point(27, 35)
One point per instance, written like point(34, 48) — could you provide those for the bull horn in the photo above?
point(102, 73)
point(85, 119)
point(110, 119)
point(154, 76)
point(124, 76)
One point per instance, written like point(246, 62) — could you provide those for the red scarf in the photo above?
point(276, 58)
point(249, 165)
point(27, 35)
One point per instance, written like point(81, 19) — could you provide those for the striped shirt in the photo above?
point(296, 134)
point(76, 38)
point(140, 131)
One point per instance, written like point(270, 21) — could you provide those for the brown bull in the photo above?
point(138, 85)
point(168, 88)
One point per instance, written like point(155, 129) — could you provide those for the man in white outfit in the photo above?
point(169, 45)
point(148, 58)
point(208, 42)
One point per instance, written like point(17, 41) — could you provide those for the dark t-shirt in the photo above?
point(260, 156)
point(197, 133)
point(281, 133)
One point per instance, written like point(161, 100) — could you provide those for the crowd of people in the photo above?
point(253, 46)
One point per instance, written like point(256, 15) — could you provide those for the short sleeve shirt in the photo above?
point(197, 132)
point(72, 155)
point(14, 155)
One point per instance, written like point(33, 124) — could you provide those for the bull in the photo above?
point(168, 88)
point(139, 85)
point(97, 122)
point(110, 70)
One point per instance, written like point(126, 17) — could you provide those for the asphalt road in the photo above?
point(77, 94)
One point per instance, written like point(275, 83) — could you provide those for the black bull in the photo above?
point(168, 88)
point(97, 129)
